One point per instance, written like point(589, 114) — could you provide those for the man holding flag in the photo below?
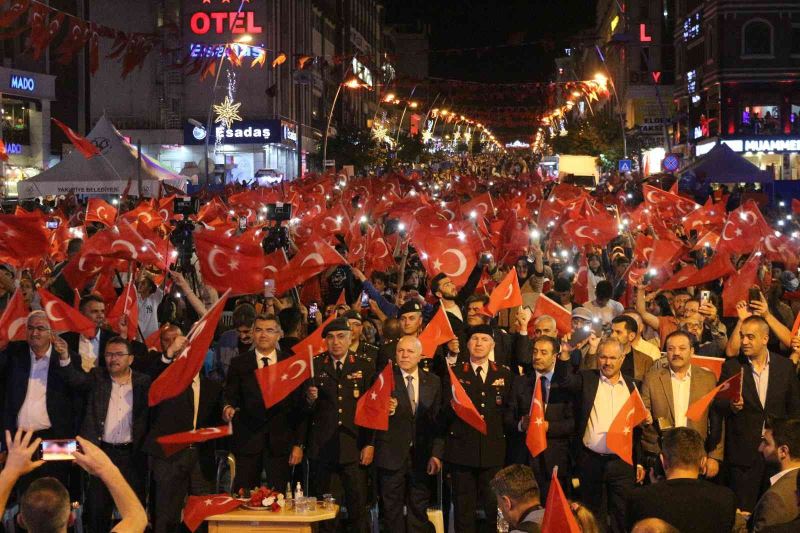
point(476, 452)
point(411, 450)
point(336, 444)
point(769, 389)
point(602, 395)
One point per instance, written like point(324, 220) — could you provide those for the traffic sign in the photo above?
point(671, 162)
point(625, 165)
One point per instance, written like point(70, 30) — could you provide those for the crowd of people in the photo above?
point(630, 290)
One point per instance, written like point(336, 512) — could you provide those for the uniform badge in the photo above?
point(498, 399)
point(499, 382)
point(356, 393)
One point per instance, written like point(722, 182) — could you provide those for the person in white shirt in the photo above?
point(149, 297)
point(780, 445)
point(603, 307)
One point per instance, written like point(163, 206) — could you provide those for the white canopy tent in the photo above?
point(107, 174)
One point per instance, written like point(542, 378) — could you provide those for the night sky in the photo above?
point(473, 23)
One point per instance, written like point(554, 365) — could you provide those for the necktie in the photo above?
point(265, 361)
point(410, 389)
point(338, 369)
point(545, 390)
point(479, 372)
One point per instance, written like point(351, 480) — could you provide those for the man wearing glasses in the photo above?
point(115, 420)
point(263, 439)
point(36, 396)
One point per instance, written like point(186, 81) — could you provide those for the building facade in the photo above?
point(738, 80)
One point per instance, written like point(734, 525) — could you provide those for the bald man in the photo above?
point(409, 453)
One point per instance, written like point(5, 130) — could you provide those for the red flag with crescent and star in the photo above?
point(463, 406)
point(558, 517)
point(278, 380)
point(98, 210)
point(730, 389)
point(453, 256)
point(506, 295)
point(82, 144)
point(312, 259)
point(438, 331)
point(175, 442)
point(372, 409)
point(127, 305)
point(313, 344)
point(619, 438)
point(546, 306)
point(198, 508)
point(14, 319)
point(230, 263)
point(181, 372)
point(536, 437)
point(712, 364)
point(64, 317)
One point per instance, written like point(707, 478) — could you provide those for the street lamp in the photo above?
point(351, 83)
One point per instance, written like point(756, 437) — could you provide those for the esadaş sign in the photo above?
point(240, 132)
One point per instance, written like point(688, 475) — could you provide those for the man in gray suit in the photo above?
point(779, 445)
point(669, 388)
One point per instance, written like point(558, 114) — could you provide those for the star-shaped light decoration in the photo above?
point(379, 132)
point(227, 112)
point(427, 135)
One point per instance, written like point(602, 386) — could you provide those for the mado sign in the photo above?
point(241, 132)
point(22, 83)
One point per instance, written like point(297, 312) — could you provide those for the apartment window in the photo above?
point(757, 38)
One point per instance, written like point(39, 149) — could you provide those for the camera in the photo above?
point(52, 223)
point(277, 236)
point(279, 212)
point(185, 206)
point(183, 240)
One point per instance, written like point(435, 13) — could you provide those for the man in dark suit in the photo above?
point(336, 444)
point(635, 363)
point(559, 417)
point(669, 390)
point(191, 470)
point(407, 454)
point(35, 396)
point(473, 458)
point(769, 389)
point(510, 349)
point(780, 446)
point(263, 439)
point(518, 498)
point(600, 395)
point(116, 421)
point(683, 500)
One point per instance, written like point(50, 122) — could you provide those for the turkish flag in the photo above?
point(719, 267)
point(580, 287)
point(546, 306)
point(274, 263)
point(143, 214)
point(14, 319)
point(313, 344)
point(463, 406)
point(123, 241)
point(312, 259)
point(198, 508)
point(667, 202)
point(505, 295)
point(663, 255)
point(743, 230)
point(712, 364)
point(372, 409)
point(379, 254)
point(482, 206)
point(127, 305)
point(277, 381)
point(175, 442)
point(98, 210)
point(730, 389)
point(166, 208)
point(230, 263)
point(64, 317)
point(558, 517)
point(708, 217)
point(438, 331)
point(3, 151)
point(536, 437)
point(796, 326)
point(82, 144)
point(451, 256)
point(153, 341)
point(23, 238)
point(795, 206)
point(736, 287)
point(620, 435)
point(81, 268)
point(181, 372)
point(597, 230)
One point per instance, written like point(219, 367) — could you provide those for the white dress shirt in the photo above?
point(118, 428)
point(33, 413)
point(774, 479)
point(762, 381)
point(272, 358)
point(415, 382)
point(680, 396)
point(607, 402)
point(484, 366)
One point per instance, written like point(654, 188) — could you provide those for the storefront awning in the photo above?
point(723, 165)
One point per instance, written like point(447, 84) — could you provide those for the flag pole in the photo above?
point(311, 360)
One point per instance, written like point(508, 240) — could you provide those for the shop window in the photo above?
point(757, 38)
point(16, 122)
point(794, 119)
point(760, 120)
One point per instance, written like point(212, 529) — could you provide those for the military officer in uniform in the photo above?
point(336, 444)
point(472, 458)
point(358, 346)
point(410, 324)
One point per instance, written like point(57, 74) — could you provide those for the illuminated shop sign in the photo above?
point(242, 132)
point(13, 149)
point(789, 144)
point(215, 50)
point(22, 83)
point(223, 22)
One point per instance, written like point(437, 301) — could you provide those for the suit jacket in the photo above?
point(63, 408)
point(97, 384)
point(560, 416)
point(464, 444)
point(407, 428)
point(73, 342)
point(583, 385)
point(743, 429)
point(778, 504)
point(333, 436)
point(176, 415)
point(641, 364)
point(657, 396)
point(512, 350)
point(256, 428)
